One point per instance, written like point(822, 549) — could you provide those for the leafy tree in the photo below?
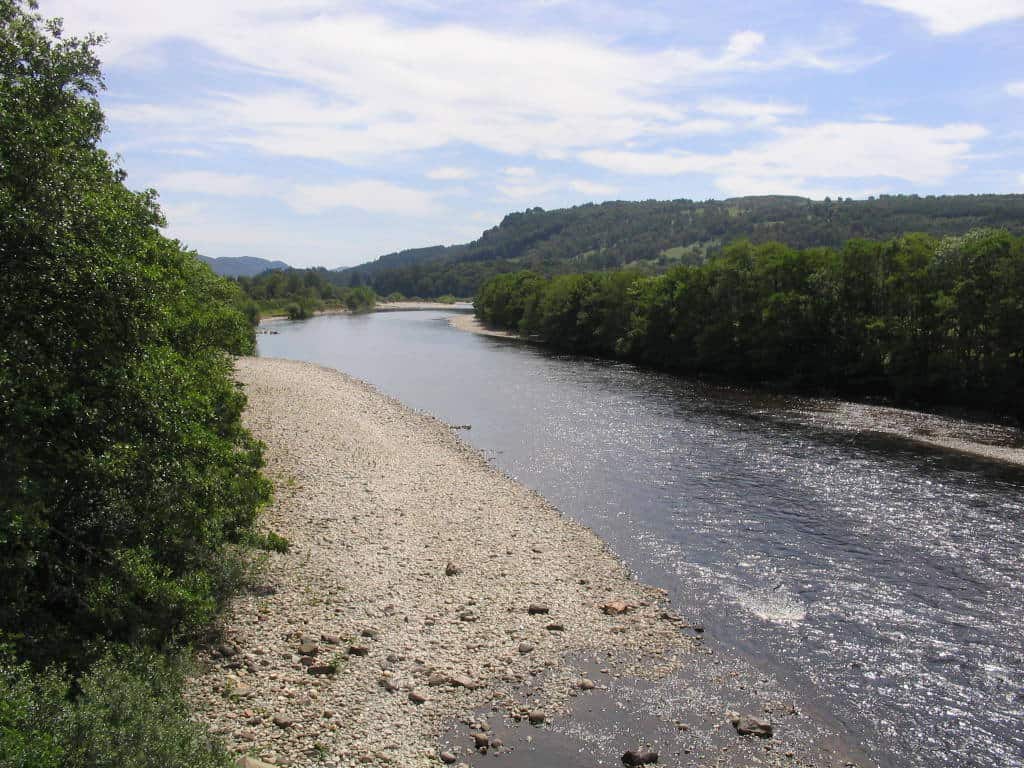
point(914, 319)
point(126, 477)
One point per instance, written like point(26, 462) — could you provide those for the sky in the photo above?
point(323, 132)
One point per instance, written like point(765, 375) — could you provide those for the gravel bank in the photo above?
point(472, 324)
point(422, 586)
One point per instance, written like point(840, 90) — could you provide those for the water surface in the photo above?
point(877, 575)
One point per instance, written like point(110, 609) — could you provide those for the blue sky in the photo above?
point(327, 133)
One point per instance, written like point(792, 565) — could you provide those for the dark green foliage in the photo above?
point(300, 310)
point(300, 293)
point(268, 542)
point(127, 482)
point(359, 299)
point(914, 319)
point(653, 236)
point(127, 713)
point(125, 474)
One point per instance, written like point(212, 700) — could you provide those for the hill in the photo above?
point(242, 266)
point(650, 236)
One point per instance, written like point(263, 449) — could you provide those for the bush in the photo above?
point(396, 296)
point(361, 299)
point(126, 712)
point(446, 299)
point(269, 542)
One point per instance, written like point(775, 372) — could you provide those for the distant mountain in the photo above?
point(242, 266)
point(653, 235)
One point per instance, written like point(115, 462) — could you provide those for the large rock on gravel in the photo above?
point(748, 725)
point(640, 757)
point(615, 608)
point(252, 762)
point(537, 609)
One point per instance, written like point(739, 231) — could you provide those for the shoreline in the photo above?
point(471, 324)
point(384, 306)
point(932, 430)
point(424, 587)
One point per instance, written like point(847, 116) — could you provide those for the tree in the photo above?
point(125, 473)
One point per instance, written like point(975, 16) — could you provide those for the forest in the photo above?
point(128, 484)
point(652, 236)
point(299, 293)
point(917, 320)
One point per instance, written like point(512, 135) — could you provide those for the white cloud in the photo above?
point(803, 158)
point(450, 173)
point(743, 44)
point(518, 171)
point(591, 188)
point(1015, 89)
point(354, 87)
point(759, 113)
point(213, 183)
point(366, 195)
point(521, 190)
point(952, 17)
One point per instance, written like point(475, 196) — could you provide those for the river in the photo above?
point(879, 576)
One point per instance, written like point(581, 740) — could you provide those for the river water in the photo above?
point(880, 577)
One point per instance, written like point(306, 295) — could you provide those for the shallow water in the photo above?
point(881, 577)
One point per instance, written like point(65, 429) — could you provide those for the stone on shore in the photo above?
point(640, 757)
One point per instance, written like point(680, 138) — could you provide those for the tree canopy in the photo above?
point(653, 236)
point(916, 319)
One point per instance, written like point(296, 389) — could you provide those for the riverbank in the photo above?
point(419, 306)
point(424, 590)
point(472, 324)
point(388, 306)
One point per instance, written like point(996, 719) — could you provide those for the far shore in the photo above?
point(388, 306)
